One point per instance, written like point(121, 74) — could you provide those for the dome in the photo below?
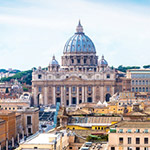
point(79, 42)
point(54, 61)
point(103, 62)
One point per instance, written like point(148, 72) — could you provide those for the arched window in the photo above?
point(108, 97)
point(136, 82)
point(132, 82)
point(39, 76)
point(108, 76)
point(146, 89)
point(143, 82)
point(133, 89)
point(143, 89)
point(140, 89)
point(136, 89)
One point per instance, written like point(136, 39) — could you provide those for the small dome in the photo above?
point(79, 42)
point(54, 61)
point(103, 62)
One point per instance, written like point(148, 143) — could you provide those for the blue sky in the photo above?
point(32, 31)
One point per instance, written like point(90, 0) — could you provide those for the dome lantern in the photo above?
point(79, 28)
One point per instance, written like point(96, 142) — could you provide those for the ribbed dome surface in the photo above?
point(79, 43)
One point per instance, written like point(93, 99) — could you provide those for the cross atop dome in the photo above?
point(79, 28)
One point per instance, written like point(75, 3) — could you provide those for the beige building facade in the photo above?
point(80, 78)
point(130, 135)
point(140, 80)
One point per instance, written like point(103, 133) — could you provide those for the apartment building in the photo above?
point(130, 135)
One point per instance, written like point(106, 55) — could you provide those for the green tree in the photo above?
point(25, 89)
point(146, 66)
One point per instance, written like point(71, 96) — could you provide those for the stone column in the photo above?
point(23, 134)
point(85, 93)
point(77, 95)
point(69, 95)
point(27, 131)
point(83, 97)
point(102, 93)
point(112, 90)
point(82, 60)
point(54, 97)
point(93, 94)
point(62, 97)
point(35, 96)
point(45, 95)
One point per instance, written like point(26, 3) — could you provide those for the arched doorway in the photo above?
point(108, 97)
point(39, 99)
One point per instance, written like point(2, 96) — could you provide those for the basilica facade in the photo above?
point(81, 77)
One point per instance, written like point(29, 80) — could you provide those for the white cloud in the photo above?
point(32, 33)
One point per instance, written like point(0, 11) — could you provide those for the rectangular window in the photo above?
point(120, 130)
point(145, 148)
point(28, 120)
point(129, 131)
point(73, 89)
point(58, 89)
point(137, 131)
point(80, 89)
point(67, 102)
point(137, 140)
point(137, 148)
point(67, 89)
point(146, 131)
point(108, 88)
point(145, 140)
point(121, 140)
point(78, 60)
point(89, 89)
point(29, 131)
point(129, 140)
point(40, 89)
